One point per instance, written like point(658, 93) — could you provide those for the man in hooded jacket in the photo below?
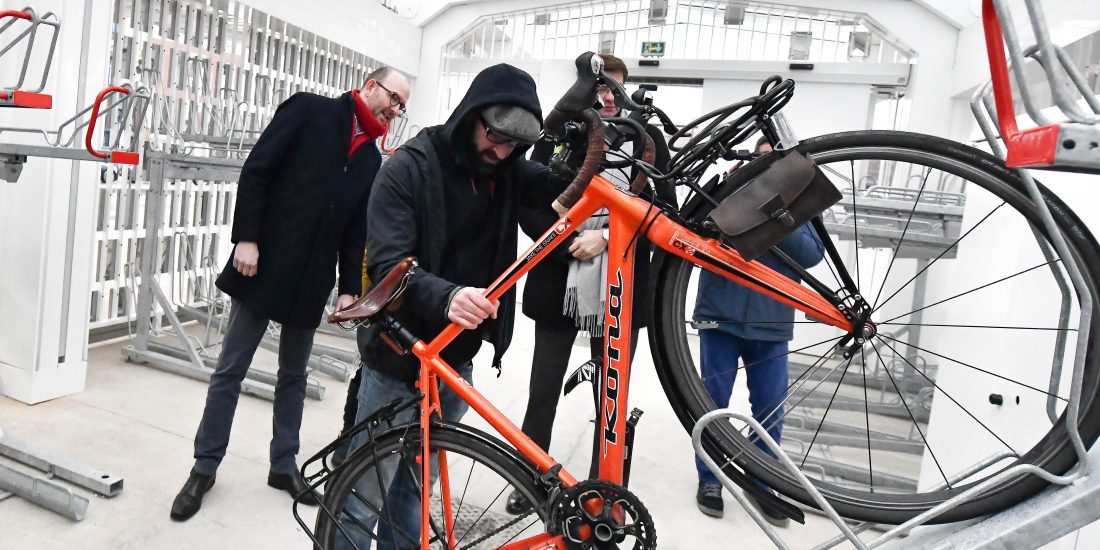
point(451, 197)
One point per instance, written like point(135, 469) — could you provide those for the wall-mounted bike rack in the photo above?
point(1070, 501)
point(129, 101)
point(30, 23)
point(1070, 144)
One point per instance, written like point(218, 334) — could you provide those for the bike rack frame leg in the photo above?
point(44, 493)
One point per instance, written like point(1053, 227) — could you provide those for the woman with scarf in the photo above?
point(564, 293)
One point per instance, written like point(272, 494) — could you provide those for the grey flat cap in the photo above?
point(513, 122)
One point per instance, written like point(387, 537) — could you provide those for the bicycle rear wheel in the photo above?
point(977, 331)
point(482, 473)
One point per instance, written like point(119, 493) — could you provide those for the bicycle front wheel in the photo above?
point(481, 474)
point(969, 373)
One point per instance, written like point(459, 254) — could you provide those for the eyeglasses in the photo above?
point(603, 89)
point(497, 138)
point(395, 100)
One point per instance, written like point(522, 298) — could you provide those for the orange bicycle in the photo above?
point(910, 321)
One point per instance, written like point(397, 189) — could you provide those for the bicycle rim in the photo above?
point(975, 346)
point(482, 474)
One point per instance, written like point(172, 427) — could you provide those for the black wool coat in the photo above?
point(304, 201)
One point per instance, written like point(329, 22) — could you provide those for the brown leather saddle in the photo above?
point(365, 309)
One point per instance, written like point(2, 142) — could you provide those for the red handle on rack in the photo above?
point(15, 13)
point(383, 145)
point(998, 69)
point(120, 157)
point(1031, 147)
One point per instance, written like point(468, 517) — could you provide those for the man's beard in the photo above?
point(483, 165)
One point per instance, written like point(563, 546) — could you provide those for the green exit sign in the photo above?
point(653, 49)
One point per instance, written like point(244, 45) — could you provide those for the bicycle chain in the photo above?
point(488, 536)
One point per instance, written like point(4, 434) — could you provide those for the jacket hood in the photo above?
point(500, 84)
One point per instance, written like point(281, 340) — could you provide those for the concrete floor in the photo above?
point(139, 423)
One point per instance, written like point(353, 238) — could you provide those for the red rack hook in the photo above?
point(1031, 147)
point(119, 157)
point(383, 145)
point(15, 13)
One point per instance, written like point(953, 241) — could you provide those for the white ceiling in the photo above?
point(959, 13)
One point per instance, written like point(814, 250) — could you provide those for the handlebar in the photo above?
point(120, 157)
point(576, 105)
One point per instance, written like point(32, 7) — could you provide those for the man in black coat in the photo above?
point(300, 214)
point(544, 295)
point(451, 196)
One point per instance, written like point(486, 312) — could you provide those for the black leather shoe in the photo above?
point(296, 485)
point(189, 499)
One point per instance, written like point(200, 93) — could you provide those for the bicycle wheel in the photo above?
point(482, 473)
point(977, 329)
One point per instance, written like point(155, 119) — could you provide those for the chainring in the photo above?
point(600, 515)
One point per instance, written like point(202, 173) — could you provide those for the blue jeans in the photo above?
point(766, 368)
point(402, 496)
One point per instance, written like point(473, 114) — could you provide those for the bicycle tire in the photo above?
point(458, 441)
point(683, 387)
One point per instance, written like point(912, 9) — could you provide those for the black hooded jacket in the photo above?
point(413, 210)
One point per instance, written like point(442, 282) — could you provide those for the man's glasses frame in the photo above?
point(499, 139)
point(395, 100)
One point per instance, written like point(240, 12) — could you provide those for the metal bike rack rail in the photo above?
point(16, 95)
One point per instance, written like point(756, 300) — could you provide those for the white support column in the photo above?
point(47, 222)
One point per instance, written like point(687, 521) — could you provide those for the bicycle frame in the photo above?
point(628, 213)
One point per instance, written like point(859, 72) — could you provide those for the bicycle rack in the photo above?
point(1071, 144)
point(1069, 503)
point(46, 491)
point(60, 141)
point(16, 96)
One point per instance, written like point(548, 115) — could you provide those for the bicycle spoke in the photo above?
point(953, 400)
point(790, 393)
point(826, 414)
point(462, 500)
point(961, 294)
point(993, 374)
point(886, 369)
point(484, 511)
point(773, 406)
point(867, 419)
point(1003, 327)
point(941, 254)
point(894, 256)
point(855, 217)
point(726, 371)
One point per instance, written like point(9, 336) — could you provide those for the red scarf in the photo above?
point(368, 123)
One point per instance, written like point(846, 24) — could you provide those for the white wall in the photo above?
point(362, 25)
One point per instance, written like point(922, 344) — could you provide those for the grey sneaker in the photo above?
point(709, 499)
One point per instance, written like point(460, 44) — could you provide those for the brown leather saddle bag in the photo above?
point(787, 194)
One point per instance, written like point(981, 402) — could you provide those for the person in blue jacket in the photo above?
point(742, 324)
